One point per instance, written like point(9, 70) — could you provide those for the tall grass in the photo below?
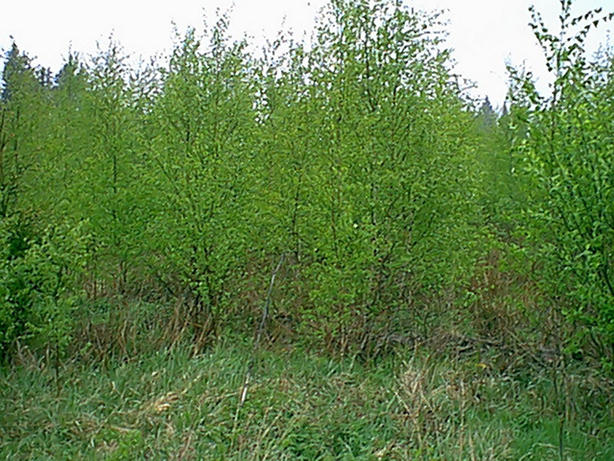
point(414, 404)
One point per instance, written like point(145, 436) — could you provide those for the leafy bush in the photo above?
point(203, 124)
point(38, 276)
point(567, 142)
point(386, 192)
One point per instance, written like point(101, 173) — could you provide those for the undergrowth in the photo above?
point(415, 403)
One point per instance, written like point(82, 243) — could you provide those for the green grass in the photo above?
point(300, 405)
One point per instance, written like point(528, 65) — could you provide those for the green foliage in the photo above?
point(22, 106)
point(141, 207)
point(14, 297)
point(36, 282)
point(374, 193)
point(568, 146)
point(41, 253)
point(356, 156)
point(203, 124)
point(502, 191)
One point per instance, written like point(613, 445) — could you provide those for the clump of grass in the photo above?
point(413, 404)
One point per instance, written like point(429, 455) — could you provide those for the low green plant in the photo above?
point(39, 283)
point(414, 404)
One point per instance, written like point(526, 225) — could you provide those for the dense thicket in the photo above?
point(565, 142)
point(395, 204)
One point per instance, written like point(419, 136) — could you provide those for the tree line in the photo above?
point(401, 206)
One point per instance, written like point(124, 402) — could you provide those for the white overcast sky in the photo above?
point(484, 33)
